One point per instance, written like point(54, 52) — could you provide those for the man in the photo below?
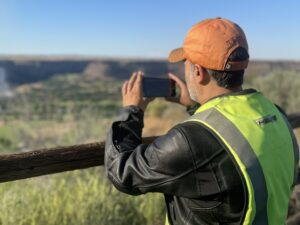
point(234, 161)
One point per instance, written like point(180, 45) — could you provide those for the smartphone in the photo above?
point(158, 87)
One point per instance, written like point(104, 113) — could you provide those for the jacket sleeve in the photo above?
point(165, 166)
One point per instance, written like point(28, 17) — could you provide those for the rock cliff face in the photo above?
point(21, 70)
point(29, 71)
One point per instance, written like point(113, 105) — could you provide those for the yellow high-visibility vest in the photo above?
point(264, 147)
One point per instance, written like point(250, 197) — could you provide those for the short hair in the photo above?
point(230, 79)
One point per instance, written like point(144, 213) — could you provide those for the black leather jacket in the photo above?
point(189, 165)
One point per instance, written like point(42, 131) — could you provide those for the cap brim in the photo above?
point(176, 55)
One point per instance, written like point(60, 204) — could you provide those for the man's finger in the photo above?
point(138, 83)
point(131, 81)
point(124, 88)
point(180, 82)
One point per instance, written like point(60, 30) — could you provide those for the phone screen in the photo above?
point(158, 87)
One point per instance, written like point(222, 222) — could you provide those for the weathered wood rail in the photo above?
point(48, 161)
point(60, 159)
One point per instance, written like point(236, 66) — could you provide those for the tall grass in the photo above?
point(80, 197)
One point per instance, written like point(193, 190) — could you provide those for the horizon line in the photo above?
point(110, 57)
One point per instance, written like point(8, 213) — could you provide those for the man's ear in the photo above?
point(201, 75)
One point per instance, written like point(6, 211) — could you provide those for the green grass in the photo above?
point(62, 97)
point(7, 139)
point(18, 135)
point(80, 197)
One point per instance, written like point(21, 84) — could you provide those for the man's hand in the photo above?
point(184, 97)
point(132, 92)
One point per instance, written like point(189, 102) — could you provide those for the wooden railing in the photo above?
point(48, 161)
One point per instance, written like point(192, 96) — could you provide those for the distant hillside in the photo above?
point(60, 97)
point(17, 70)
point(27, 70)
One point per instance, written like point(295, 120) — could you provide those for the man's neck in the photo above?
point(217, 91)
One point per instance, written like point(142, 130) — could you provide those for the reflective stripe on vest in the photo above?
point(167, 221)
point(242, 152)
point(262, 144)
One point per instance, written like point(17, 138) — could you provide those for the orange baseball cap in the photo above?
point(210, 42)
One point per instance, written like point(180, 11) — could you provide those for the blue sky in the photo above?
point(141, 29)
